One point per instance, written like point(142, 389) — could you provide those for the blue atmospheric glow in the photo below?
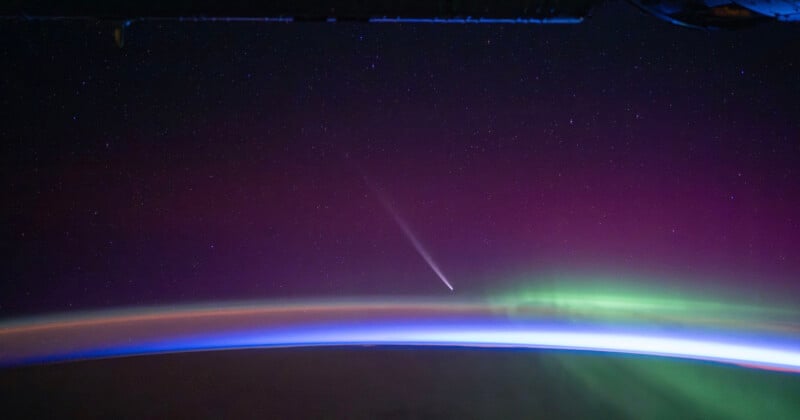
point(459, 334)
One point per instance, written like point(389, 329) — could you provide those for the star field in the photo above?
point(210, 162)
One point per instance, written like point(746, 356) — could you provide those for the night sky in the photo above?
point(215, 162)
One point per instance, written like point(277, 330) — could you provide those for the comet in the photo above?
point(416, 244)
point(409, 234)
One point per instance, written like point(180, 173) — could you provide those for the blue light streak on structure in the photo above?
point(465, 20)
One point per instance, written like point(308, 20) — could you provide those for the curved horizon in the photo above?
point(351, 323)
